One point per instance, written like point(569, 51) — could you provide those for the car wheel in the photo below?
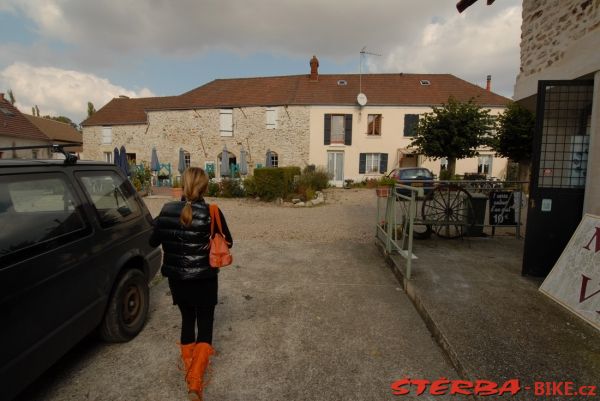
point(127, 308)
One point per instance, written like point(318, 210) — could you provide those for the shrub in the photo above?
point(290, 183)
point(250, 186)
point(213, 189)
point(270, 183)
point(231, 188)
point(317, 178)
point(141, 176)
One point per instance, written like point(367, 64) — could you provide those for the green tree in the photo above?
point(62, 119)
point(514, 137)
point(91, 109)
point(11, 97)
point(455, 131)
point(37, 111)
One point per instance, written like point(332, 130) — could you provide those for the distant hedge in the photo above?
point(274, 182)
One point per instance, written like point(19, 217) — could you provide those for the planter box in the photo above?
point(383, 192)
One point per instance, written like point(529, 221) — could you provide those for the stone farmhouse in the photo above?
point(298, 120)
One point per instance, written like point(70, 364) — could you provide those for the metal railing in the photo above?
point(395, 225)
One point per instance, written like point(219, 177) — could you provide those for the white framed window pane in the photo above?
point(187, 159)
point(226, 122)
point(106, 135)
point(108, 157)
point(372, 163)
point(337, 129)
point(484, 164)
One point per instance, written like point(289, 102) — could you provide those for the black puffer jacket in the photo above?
point(186, 249)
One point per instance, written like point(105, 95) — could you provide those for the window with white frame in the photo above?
point(187, 159)
point(372, 163)
point(274, 159)
point(374, 124)
point(443, 164)
point(108, 157)
point(484, 164)
point(338, 128)
point(271, 113)
point(106, 135)
point(226, 122)
point(34, 153)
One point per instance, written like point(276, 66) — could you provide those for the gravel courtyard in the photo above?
point(308, 311)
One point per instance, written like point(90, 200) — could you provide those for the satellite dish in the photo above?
point(361, 99)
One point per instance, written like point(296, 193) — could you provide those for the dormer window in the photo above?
point(425, 82)
point(342, 82)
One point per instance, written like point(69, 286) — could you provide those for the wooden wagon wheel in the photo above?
point(448, 210)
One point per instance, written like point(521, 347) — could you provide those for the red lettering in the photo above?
point(512, 386)
point(485, 388)
point(421, 385)
point(398, 386)
point(590, 393)
point(557, 388)
point(597, 236)
point(461, 387)
point(569, 388)
point(582, 296)
point(539, 388)
point(439, 387)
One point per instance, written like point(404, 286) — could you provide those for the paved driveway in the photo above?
point(308, 311)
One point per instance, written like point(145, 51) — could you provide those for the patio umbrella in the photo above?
point(154, 164)
point(181, 164)
point(117, 157)
point(124, 163)
point(243, 162)
point(269, 161)
point(225, 162)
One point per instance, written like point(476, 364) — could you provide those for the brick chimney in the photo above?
point(488, 86)
point(314, 69)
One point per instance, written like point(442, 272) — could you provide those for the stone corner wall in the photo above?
point(549, 27)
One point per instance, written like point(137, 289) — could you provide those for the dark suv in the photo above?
point(74, 257)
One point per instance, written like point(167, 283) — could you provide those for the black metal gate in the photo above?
point(559, 164)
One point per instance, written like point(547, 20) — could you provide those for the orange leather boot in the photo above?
point(187, 354)
point(195, 376)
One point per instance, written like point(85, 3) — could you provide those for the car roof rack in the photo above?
point(70, 158)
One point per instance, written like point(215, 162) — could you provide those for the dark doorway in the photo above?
point(559, 164)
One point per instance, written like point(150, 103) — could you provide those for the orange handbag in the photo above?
point(219, 255)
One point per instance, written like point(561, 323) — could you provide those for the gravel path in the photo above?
point(348, 214)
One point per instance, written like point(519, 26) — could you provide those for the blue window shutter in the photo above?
point(383, 160)
point(327, 130)
point(362, 163)
point(348, 129)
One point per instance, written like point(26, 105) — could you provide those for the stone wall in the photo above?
point(8, 141)
point(550, 27)
point(197, 132)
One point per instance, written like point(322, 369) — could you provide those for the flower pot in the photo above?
point(383, 192)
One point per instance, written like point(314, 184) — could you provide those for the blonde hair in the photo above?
point(195, 182)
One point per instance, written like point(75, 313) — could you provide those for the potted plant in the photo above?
point(384, 186)
point(177, 188)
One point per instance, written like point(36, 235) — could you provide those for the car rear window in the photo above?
point(36, 210)
point(110, 195)
point(415, 174)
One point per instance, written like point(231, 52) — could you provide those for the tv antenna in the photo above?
point(362, 98)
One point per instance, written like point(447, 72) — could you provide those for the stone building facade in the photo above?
point(197, 132)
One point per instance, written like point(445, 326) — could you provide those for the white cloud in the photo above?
point(60, 92)
point(458, 46)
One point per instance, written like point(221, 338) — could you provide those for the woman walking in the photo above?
point(183, 229)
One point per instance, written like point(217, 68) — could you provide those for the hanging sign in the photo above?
point(574, 281)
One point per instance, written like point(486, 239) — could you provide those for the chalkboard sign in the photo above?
point(502, 208)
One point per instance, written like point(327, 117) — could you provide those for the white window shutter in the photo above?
point(271, 117)
point(226, 120)
point(106, 135)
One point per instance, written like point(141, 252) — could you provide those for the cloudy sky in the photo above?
point(60, 54)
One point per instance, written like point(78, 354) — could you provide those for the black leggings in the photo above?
point(204, 316)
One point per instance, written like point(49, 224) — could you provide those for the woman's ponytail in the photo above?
point(195, 183)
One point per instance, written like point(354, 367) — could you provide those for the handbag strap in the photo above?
point(214, 216)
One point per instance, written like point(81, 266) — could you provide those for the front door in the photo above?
point(335, 168)
point(559, 164)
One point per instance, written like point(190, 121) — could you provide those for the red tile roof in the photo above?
point(14, 124)
point(380, 89)
point(57, 131)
